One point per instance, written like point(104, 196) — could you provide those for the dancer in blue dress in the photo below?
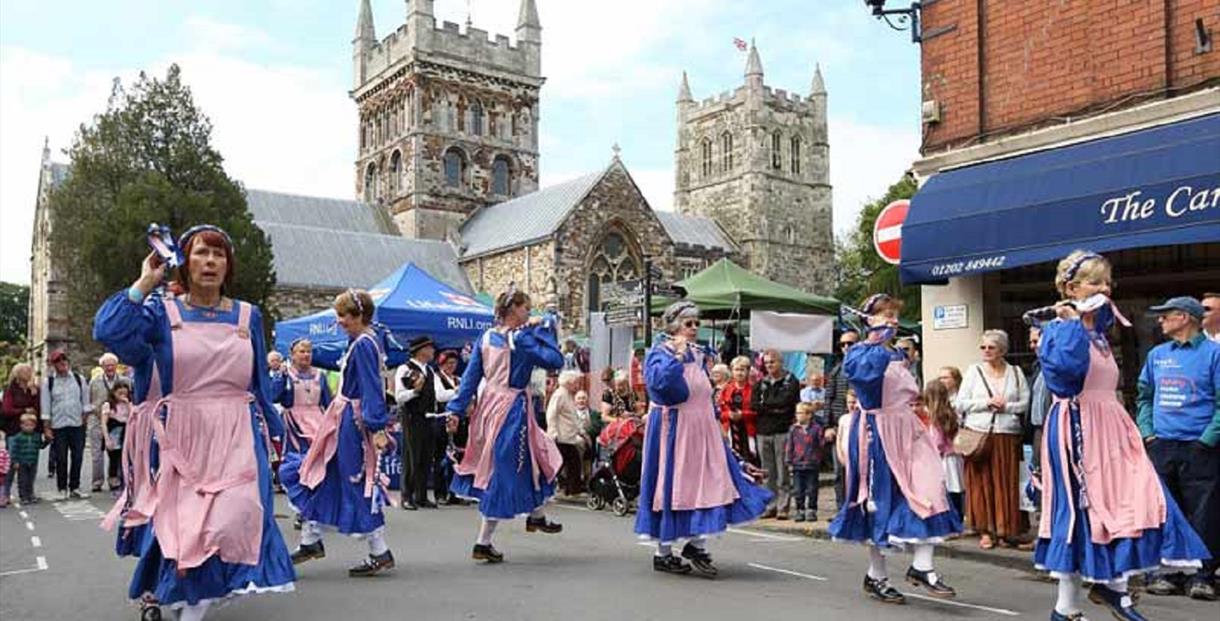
point(691, 483)
point(895, 483)
point(1106, 515)
point(510, 464)
point(304, 394)
point(198, 510)
point(337, 485)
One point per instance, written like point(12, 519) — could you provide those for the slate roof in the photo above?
point(695, 231)
point(331, 213)
point(310, 256)
point(524, 219)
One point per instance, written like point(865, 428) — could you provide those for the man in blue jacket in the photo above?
point(1179, 419)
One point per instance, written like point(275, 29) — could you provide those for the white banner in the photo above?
point(791, 332)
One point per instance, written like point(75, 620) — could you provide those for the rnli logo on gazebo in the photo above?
point(887, 231)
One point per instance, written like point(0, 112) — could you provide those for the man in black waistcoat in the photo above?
point(417, 390)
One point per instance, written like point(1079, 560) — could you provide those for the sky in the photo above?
point(274, 76)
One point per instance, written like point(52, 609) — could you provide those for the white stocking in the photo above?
point(664, 549)
point(1068, 602)
point(311, 533)
point(923, 557)
point(538, 513)
point(486, 529)
point(876, 564)
point(377, 544)
point(193, 612)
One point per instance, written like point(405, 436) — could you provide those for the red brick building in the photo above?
point(1060, 124)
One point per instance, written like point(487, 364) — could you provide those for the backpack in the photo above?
point(80, 382)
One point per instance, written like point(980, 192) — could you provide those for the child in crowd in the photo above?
point(4, 468)
point(942, 423)
point(23, 450)
point(803, 454)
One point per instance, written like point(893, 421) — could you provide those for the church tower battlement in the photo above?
point(448, 117)
point(757, 160)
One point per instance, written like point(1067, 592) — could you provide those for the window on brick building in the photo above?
point(455, 167)
point(795, 148)
point(476, 119)
point(499, 176)
point(726, 152)
point(612, 262)
point(706, 149)
point(395, 173)
point(776, 156)
point(370, 183)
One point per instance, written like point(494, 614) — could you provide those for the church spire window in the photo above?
point(776, 157)
point(476, 118)
point(455, 167)
point(706, 152)
point(795, 148)
point(726, 152)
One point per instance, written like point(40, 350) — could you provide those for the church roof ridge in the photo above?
point(534, 216)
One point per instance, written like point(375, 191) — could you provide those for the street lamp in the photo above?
point(906, 15)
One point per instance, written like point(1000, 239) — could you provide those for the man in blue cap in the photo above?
point(1179, 419)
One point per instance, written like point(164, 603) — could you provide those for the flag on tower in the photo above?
point(741, 43)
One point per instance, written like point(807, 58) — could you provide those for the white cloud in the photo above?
point(864, 161)
point(280, 127)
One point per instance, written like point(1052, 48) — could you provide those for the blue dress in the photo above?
point(891, 521)
point(510, 491)
point(668, 390)
point(1066, 355)
point(139, 334)
point(338, 501)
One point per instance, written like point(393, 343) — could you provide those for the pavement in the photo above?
point(55, 563)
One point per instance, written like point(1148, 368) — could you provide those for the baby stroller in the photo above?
point(616, 475)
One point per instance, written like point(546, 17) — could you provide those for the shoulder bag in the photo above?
point(972, 444)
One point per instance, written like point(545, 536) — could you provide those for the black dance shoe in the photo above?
point(1075, 616)
point(373, 565)
point(409, 505)
point(150, 612)
point(670, 564)
point(424, 503)
point(700, 560)
point(308, 552)
point(542, 524)
point(486, 553)
point(930, 583)
point(882, 590)
point(1119, 604)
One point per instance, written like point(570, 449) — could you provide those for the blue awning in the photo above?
point(1152, 187)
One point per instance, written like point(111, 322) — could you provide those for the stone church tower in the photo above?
point(756, 160)
point(448, 117)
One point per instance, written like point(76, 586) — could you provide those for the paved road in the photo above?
point(56, 564)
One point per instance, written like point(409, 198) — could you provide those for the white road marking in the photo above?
point(951, 602)
point(29, 525)
point(24, 515)
point(35, 541)
point(79, 510)
point(762, 535)
point(788, 572)
point(41, 566)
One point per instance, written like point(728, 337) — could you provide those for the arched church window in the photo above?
point(726, 152)
point(395, 173)
point(789, 233)
point(795, 148)
point(706, 158)
point(776, 156)
point(370, 183)
point(499, 176)
point(476, 118)
point(612, 262)
point(455, 167)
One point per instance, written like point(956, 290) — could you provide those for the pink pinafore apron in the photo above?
point(491, 410)
point(205, 498)
point(326, 441)
point(910, 450)
point(1124, 495)
point(305, 415)
point(701, 470)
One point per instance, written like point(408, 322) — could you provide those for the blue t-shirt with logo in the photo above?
point(1177, 391)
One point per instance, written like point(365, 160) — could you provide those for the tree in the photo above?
point(862, 272)
point(14, 312)
point(147, 158)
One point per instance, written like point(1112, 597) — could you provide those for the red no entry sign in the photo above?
point(887, 231)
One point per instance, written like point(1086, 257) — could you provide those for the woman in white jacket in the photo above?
point(566, 428)
point(993, 397)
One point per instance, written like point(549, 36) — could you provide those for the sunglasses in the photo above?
point(847, 344)
point(987, 347)
point(690, 323)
